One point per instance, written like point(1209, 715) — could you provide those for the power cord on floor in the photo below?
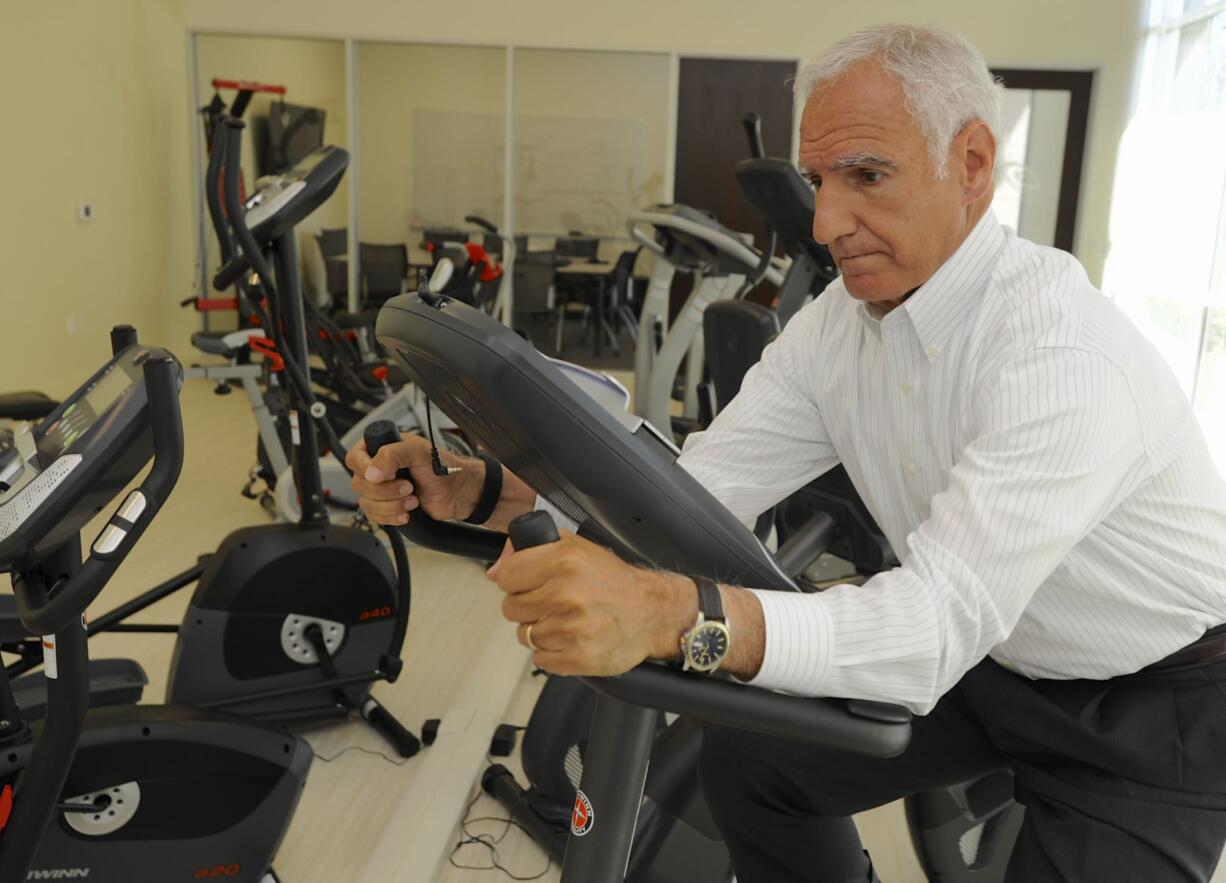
point(490, 842)
point(392, 760)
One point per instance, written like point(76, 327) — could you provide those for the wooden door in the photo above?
point(714, 94)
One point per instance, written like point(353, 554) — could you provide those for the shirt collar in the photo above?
point(941, 304)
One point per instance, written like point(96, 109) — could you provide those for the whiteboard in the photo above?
point(571, 173)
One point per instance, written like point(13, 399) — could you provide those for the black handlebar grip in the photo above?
point(480, 222)
point(383, 432)
point(122, 337)
point(533, 529)
point(753, 128)
point(231, 272)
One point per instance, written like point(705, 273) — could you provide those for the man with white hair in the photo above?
point(1061, 529)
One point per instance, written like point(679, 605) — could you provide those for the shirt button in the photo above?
point(933, 351)
point(910, 469)
point(906, 387)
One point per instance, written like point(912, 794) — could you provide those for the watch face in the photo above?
point(707, 646)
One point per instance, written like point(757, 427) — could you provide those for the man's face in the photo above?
point(886, 218)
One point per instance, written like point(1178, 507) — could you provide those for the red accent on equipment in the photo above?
point(478, 255)
point(379, 373)
point(208, 305)
point(6, 806)
point(266, 348)
point(248, 86)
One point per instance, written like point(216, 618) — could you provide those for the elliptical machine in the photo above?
point(289, 623)
point(292, 623)
point(139, 793)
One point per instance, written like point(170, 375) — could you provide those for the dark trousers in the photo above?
point(1122, 780)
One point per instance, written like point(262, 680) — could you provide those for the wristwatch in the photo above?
point(705, 646)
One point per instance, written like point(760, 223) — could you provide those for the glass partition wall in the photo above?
point(431, 124)
point(428, 128)
point(591, 140)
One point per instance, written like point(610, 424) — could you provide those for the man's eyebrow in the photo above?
point(853, 160)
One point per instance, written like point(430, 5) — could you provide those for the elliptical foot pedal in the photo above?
point(393, 730)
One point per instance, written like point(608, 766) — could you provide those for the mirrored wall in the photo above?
point(429, 126)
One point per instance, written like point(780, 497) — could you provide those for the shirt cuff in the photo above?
point(543, 505)
point(799, 636)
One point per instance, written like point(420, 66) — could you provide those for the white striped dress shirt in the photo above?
point(1029, 456)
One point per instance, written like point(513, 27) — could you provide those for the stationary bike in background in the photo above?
point(139, 793)
point(962, 834)
point(475, 273)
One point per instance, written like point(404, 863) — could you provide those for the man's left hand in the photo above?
point(590, 612)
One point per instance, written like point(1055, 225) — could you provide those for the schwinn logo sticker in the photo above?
point(581, 819)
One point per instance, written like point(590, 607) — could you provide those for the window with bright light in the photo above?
point(1167, 264)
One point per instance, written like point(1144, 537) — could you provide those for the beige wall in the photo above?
point(96, 111)
point(1091, 34)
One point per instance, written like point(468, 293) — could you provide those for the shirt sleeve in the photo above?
point(1056, 444)
point(770, 440)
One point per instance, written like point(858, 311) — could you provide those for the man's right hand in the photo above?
point(388, 500)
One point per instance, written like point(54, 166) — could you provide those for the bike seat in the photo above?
point(26, 405)
point(348, 321)
point(111, 682)
point(224, 343)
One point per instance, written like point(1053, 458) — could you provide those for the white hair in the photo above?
point(945, 80)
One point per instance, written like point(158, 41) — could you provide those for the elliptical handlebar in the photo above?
point(212, 198)
point(753, 128)
point(481, 222)
point(646, 239)
point(430, 533)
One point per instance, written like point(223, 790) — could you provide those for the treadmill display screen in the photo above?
point(80, 415)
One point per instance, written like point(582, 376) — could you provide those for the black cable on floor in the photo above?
point(393, 761)
point(490, 842)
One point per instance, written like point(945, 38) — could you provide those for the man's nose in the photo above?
point(832, 217)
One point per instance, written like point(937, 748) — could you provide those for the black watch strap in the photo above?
point(709, 603)
point(491, 490)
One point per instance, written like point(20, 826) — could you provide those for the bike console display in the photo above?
point(61, 472)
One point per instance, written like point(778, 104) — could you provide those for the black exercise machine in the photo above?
point(617, 478)
point(141, 793)
point(289, 623)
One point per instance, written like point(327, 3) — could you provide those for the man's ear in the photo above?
point(974, 160)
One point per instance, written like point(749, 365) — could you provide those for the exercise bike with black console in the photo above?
point(616, 477)
point(143, 794)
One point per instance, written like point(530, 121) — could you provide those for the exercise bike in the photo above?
point(141, 793)
point(616, 478)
